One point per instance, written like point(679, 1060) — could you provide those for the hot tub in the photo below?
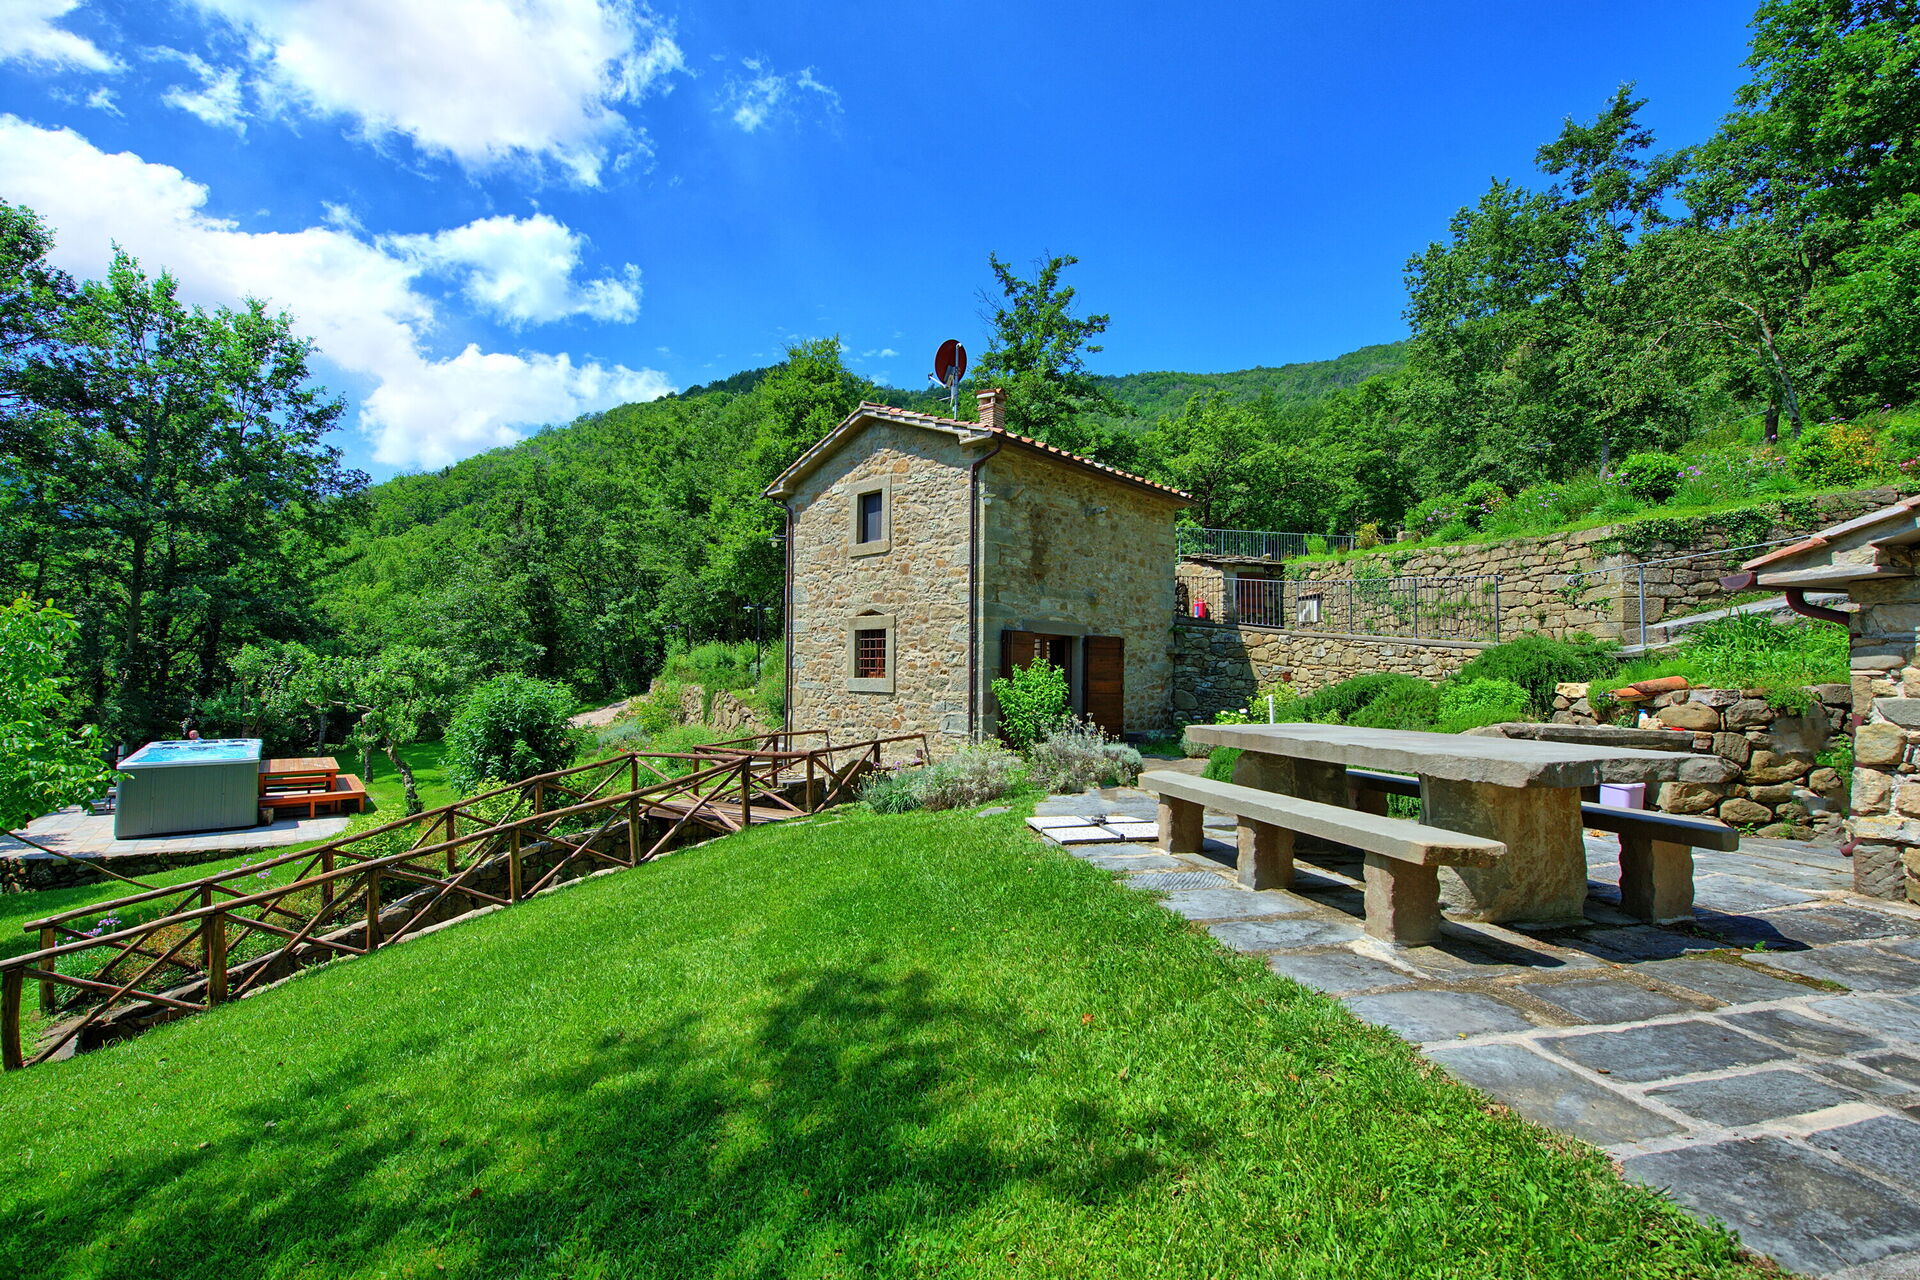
point(210, 784)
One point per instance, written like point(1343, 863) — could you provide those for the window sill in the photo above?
point(883, 685)
point(871, 548)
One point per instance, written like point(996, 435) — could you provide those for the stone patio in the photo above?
point(81, 834)
point(1762, 1064)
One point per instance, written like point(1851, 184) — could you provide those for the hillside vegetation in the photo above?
point(862, 1046)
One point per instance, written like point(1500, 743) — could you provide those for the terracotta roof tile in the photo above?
point(889, 411)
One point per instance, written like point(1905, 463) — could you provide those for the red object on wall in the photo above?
point(1200, 608)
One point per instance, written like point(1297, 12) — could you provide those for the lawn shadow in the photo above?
point(839, 1130)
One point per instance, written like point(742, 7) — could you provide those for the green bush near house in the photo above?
point(1412, 706)
point(1220, 764)
point(512, 726)
point(1744, 651)
point(1033, 703)
point(1469, 704)
point(1537, 663)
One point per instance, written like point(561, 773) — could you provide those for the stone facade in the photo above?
point(1886, 698)
point(983, 533)
point(917, 587)
point(1781, 790)
point(1069, 552)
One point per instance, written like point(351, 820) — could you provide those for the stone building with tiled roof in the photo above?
point(927, 556)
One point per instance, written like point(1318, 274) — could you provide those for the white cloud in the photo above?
point(485, 82)
point(28, 34)
point(217, 101)
point(763, 95)
point(101, 99)
point(521, 270)
point(356, 299)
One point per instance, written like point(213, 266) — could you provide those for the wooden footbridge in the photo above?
point(111, 970)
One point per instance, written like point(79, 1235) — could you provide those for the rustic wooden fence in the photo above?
point(165, 953)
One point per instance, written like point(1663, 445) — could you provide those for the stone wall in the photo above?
point(1070, 552)
point(1781, 789)
point(1219, 668)
point(919, 582)
point(1886, 701)
point(1561, 584)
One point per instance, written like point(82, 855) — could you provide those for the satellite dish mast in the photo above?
point(949, 366)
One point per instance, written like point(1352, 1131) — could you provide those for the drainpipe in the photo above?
point(786, 619)
point(1796, 598)
point(975, 553)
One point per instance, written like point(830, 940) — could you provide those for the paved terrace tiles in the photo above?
point(1762, 1065)
point(82, 834)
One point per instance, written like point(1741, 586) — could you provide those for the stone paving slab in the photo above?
point(1550, 1093)
point(1426, 1017)
point(1762, 1061)
point(1339, 971)
point(1811, 1213)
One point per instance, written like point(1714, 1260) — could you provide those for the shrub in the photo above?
point(512, 726)
point(1468, 704)
point(1479, 500)
point(1033, 703)
point(971, 776)
point(1338, 703)
point(1838, 453)
point(1077, 756)
point(1537, 663)
point(1651, 477)
point(1220, 764)
point(1412, 706)
point(892, 791)
point(1368, 536)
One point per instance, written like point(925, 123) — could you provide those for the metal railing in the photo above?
point(1256, 544)
point(1404, 608)
point(1633, 580)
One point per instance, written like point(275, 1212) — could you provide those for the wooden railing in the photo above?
point(166, 953)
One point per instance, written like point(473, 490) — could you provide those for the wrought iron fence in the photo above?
point(1412, 608)
point(1256, 544)
point(1642, 610)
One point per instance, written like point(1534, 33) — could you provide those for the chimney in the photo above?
point(993, 409)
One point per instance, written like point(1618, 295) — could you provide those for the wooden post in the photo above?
point(216, 939)
point(812, 803)
point(513, 867)
point(453, 833)
point(746, 791)
point(47, 939)
point(10, 990)
point(206, 932)
point(373, 910)
point(326, 886)
point(539, 797)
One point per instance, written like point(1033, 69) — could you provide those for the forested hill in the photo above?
point(1154, 395)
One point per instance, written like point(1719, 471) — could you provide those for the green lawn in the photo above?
point(859, 1046)
point(383, 789)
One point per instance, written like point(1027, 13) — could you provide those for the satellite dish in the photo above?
point(950, 363)
point(949, 366)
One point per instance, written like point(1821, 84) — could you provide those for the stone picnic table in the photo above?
point(1523, 793)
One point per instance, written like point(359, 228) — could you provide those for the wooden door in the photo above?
point(1106, 685)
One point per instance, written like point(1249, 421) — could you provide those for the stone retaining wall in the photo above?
point(1219, 668)
point(1559, 583)
point(1781, 790)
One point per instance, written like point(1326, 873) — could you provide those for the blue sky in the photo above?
point(494, 214)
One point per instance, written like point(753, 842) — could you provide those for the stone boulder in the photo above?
point(1749, 713)
point(1768, 767)
point(1741, 812)
point(1689, 715)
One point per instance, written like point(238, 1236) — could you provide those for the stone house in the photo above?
point(927, 556)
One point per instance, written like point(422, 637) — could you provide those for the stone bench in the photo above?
point(1402, 858)
point(1656, 849)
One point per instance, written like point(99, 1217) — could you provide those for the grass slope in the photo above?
point(909, 1046)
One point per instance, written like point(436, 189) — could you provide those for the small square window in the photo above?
point(872, 515)
point(870, 655)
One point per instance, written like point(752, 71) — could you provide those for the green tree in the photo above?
point(47, 762)
point(165, 472)
point(1037, 356)
point(397, 697)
